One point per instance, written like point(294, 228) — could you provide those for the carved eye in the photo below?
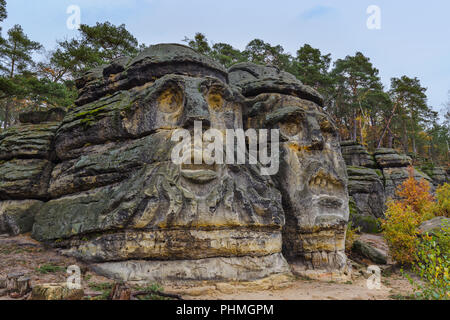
point(171, 100)
point(290, 128)
point(327, 126)
point(215, 99)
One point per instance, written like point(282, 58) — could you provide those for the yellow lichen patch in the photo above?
point(171, 100)
point(143, 87)
point(215, 100)
point(290, 128)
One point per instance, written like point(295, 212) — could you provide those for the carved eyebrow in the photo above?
point(284, 114)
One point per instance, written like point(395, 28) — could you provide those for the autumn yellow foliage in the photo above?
point(404, 216)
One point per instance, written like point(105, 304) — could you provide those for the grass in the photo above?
point(49, 268)
point(153, 287)
point(104, 288)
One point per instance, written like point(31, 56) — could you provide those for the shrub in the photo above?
point(442, 206)
point(400, 231)
point(350, 236)
point(432, 264)
point(416, 194)
point(404, 216)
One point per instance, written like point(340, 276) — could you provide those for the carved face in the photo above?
point(211, 194)
point(312, 172)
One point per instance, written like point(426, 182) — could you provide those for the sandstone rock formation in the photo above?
point(395, 170)
point(99, 182)
point(26, 161)
point(437, 175)
point(373, 179)
point(365, 187)
point(117, 199)
point(312, 175)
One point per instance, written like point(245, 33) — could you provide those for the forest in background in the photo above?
point(397, 117)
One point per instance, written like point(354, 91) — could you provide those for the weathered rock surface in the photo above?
point(150, 65)
point(55, 291)
point(41, 116)
point(374, 179)
point(98, 181)
point(312, 175)
point(26, 155)
point(367, 190)
point(437, 175)
point(212, 269)
point(17, 217)
point(357, 155)
point(22, 179)
point(116, 196)
point(389, 158)
point(433, 225)
point(366, 250)
point(28, 141)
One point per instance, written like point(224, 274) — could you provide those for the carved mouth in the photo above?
point(328, 189)
point(330, 202)
point(200, 173)
point(325, 181)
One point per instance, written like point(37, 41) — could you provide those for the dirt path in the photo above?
point(45, 265)
point(394, 287)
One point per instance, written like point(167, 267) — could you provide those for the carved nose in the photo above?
point(316, 142)
point(196, 110)
point(190, 121)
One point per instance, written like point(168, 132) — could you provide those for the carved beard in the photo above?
point(239, 197)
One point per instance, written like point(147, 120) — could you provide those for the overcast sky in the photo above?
point(414, 38)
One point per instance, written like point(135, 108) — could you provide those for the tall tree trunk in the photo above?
point(390, 139)
point(7, 112)
point(405, 138)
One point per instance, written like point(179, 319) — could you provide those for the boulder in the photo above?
point(357, 155)
point(41, 116)
point(22, 179)
point(367, 251)
point(433, 225)
point(28, 141)
point(389, 158)
point(17, 217)
point(437, 175)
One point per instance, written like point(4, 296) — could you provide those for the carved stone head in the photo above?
point(117, 196)
point(312, 175)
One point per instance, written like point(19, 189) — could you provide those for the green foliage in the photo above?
point(404, 216)
point(350, 236)
point(432, 265)
point(312, 68)
point(16, 52)
point(96, 45)
point(442, 207)
point(199, 43)
point(400, 231)
point(3, 13)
